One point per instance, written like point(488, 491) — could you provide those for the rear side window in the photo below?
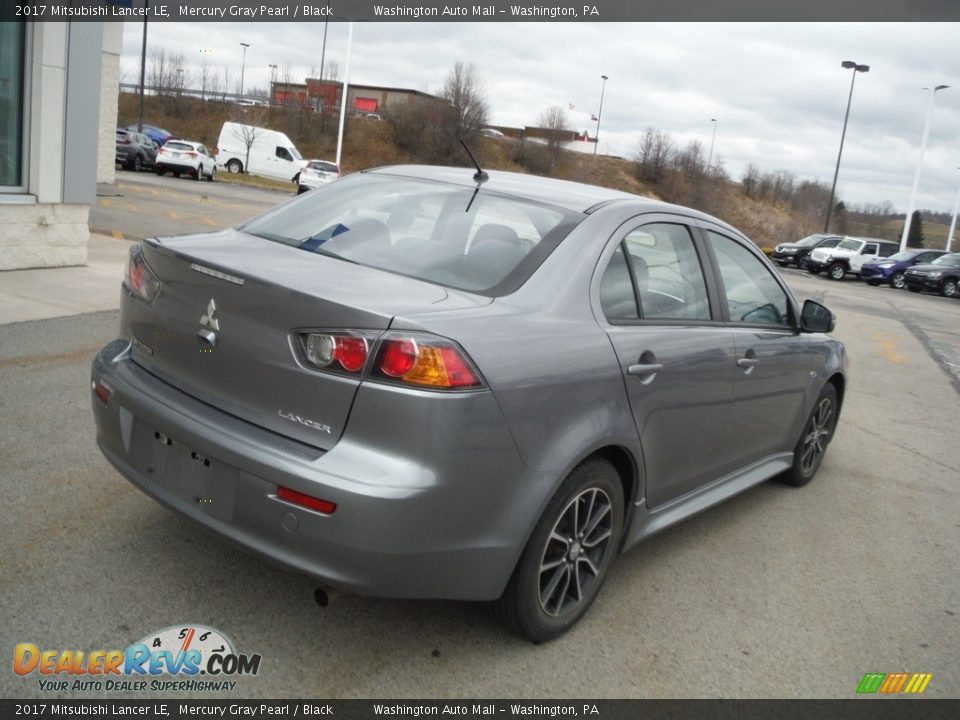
point(753, 295)
point(888, 250)
point(655, 274)
point(445, 234)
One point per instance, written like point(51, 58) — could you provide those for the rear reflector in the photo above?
point(308, 501)
point(102, 391)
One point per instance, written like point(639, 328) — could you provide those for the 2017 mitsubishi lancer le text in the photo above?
point(438, 383)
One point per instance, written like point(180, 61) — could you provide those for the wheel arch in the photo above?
point(839, 382)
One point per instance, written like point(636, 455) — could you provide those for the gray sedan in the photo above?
point(434, 383)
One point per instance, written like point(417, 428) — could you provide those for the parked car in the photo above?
point(429, 383)
point(890, 270)
point(849, 256)
point(316, 173)
point(942, 276)
point(796, 252)
point(186, 157)
point(491, 132)
point(135, 151)
point(158, 135)
point(258, 151)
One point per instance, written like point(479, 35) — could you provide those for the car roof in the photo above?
point(874, 240)
point(563, 193)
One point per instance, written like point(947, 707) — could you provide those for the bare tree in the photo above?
point(464, 113)
point(653, 156)
point(158, 71)
point(751, 180)
point(205, 79)
point(555, 121)
point(248, 130)
point(226, 81)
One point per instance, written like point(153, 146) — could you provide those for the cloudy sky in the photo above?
point(777, 90)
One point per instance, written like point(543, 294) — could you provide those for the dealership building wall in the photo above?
point(55, 116)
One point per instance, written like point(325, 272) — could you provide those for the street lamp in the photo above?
point(273, 79)
point(712, 140)
point(600, 114)
point(849, 65)
point(243, 66)
point(916, 176)
point(953, 222)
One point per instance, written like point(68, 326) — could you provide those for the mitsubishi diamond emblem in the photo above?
point(208, 336)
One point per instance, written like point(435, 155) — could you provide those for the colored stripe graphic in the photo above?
point(871, 682)
point(918, 683)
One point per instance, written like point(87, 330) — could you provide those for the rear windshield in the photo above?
point(445, 234)
point(178, 146)
point(324, 166)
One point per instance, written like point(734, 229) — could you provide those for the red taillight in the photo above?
point(191, 154)
point(139, 278)
point(399, 357)
point(308, 501)
point(426, 362)
point(125, 141)
point(325, 350)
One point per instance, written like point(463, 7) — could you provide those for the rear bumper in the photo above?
point(448, 519)
point(172, 166)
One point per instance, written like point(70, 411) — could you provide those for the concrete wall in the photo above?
point(109, 99)
point(48, 225)
point(43, 235)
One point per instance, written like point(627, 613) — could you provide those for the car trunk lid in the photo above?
point(251, 294)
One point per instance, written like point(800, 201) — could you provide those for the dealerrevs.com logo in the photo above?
point(197, 658)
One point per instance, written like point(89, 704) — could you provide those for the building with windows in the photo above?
point(58, 114)
point(324, 95)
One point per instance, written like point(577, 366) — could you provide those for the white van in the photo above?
point(271, 153)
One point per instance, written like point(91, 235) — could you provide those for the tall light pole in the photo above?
point(953, 222)
point(343, 98)
point(712, 141)
point(916, 176)
point(849, 65)
point(273, 79)
point(243, 67)
point(143, 66)
point(603, 87)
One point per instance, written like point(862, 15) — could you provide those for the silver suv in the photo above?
point(849, 256)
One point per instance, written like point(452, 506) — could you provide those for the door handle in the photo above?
point(644, 368)
point(747, 362)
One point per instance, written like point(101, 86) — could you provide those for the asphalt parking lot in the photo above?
point(780, 592)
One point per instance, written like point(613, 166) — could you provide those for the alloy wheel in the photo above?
point(575, 551)
point(837, 272)
point(816, 436)
point(949, 288)
point(897, 281)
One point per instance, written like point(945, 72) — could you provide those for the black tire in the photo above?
point(176, 174)
point(137, 164)
point(531, 604)
point(872, 283)
point(813, 271)
point(213, 174)
point(897, 282)
point(913, 288)
point(837, 271)
point(234, 166)
point(301, 190)
point(948, 288)
point(161, 173)
point(814, 440)
point(802, 263)
point(199, 173)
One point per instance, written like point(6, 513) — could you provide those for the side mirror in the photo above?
point(815, 318)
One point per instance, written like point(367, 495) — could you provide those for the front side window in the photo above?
point(753, 295)
point(869, 249)
point(12, 39)
point(854, 245)
point(283, 154)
